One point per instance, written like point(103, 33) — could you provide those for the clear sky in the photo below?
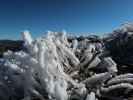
point(76, 16)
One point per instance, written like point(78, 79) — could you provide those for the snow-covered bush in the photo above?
point(39, 70)
point(59, 67)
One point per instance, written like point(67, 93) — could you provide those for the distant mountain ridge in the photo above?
point(14, 45)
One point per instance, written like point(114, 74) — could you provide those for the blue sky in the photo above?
point(75, 16)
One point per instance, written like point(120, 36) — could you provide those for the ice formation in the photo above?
point(61, 67)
